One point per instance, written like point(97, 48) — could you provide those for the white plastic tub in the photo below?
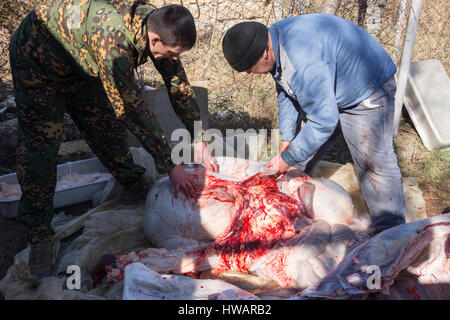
point(427, 100)
point(67, 196)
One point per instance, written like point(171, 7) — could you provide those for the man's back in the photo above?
point(85, 27)
point(356, 61)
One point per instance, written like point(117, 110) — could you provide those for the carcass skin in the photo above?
point(188, 223)
point(415, 256)
point(428, 276)
point(290, 230)
point(299, 232)
point(144, 283)
point(413, 261)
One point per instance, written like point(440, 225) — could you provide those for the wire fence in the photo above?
point(240, 95)
point(385, 19)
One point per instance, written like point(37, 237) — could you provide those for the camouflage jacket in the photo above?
point(108, 39)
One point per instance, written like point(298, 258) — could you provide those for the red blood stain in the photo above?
point(447, 247)
point(264, 216)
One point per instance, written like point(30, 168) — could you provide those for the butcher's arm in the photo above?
point(185, 105)
point(116, 71)
point(181, 95)
point(314, 88)
point(287, 117)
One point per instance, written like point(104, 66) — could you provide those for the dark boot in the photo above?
point(40, 260)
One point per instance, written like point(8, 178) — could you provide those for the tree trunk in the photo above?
point(330, 6)
point(370, 14)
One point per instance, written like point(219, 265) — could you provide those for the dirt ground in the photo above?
point(12, 235)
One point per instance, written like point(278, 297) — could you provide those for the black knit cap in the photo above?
point(244, 44)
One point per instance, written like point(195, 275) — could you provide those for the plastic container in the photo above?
point(427, 100)
point(64, 197)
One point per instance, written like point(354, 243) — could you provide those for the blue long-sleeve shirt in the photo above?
point(323, 63)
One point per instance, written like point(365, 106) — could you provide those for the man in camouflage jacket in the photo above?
point(79, 57)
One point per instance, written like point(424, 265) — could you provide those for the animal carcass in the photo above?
point(411, 261)
point(290, 230)
point(297, 231)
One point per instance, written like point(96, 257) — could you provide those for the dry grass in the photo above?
point(242, 97)
point(433, 34)
point(11, 14)
point(253, 95)
point(432, 169)
point(235, 99)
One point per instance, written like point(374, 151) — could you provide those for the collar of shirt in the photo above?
point(139, 28)
point(275, 44)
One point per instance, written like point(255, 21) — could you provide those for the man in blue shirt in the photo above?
point(331, 76)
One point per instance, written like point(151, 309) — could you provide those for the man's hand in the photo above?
point(275, 166)
point(182, 180)
point(202, 155)
point(283, 146)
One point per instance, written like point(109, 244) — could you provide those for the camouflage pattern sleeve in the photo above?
point(116, 70)
point(181, 94)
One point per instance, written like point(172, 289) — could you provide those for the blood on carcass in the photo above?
point(447, 247)
point(266, 226)
point(264, 217)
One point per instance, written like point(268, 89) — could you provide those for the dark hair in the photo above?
point(174, 24)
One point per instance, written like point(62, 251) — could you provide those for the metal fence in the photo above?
point(385, 19)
